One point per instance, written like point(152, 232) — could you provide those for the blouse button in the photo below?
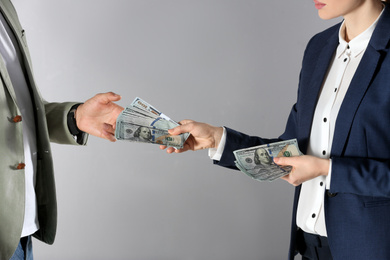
point(331, 195)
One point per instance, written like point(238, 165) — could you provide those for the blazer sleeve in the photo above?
point(56, 117)
point(236, 140)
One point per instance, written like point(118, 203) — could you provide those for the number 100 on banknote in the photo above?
point(257, 162)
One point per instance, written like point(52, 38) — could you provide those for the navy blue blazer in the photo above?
point(357, 206)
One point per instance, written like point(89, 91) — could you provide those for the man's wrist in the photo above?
point(79, 135)
point(71, 119)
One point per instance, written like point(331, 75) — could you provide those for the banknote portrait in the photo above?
point(262, 157)
point(142, 134)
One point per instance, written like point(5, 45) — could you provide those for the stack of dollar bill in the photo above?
point(141, 122)
point(257, 162)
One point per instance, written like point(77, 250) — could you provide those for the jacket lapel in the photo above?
point(309, 100)
point(5, 7)
point(10, 15)
point(360, 83)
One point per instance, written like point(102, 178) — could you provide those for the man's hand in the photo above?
point(97, 116)
point(202, 136)
point(304, 168)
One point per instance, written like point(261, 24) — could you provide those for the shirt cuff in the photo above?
point(328, 178)
point(216, 153)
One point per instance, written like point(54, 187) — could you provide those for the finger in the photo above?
point(108, 97)
point(185, 148)
point(163, 147)
point(186, 121)
point(108, 136)
point(285, 177)
point(181, 129)
point(111, 138)
point(292, 179)
point(283, 160)
point(109, 129)
point(106, 132)
point(114, 115)
point(175, 131)
point(170, 150)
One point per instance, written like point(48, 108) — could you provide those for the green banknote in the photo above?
point(141, 122)
point(257, 162)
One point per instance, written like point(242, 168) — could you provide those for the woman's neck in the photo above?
point(362, 18)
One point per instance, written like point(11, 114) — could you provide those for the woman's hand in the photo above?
point(202, 136)
point(304, 168)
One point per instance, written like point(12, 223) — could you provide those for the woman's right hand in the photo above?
point(203, 136)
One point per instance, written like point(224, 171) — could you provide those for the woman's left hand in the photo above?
point(304, 168)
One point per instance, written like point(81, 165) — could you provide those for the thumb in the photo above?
point(282, 160)
point(186, 121)
point(108, 97)
point(184, 127)
point(178, 130)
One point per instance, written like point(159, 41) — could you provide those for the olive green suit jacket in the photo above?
point(51, 125)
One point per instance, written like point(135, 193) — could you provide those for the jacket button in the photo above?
point(17, 119)
point(331, 194)
point(20, 166)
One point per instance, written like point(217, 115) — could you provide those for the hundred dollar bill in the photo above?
point(145, 134)
point(141, 122)
point(139, 119)
point(143, 105)
point(257, 162)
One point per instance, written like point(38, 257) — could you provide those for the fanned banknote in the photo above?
point(257, 162)
point(141, 122)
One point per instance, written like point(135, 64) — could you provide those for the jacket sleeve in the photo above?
point(56, 117)
point(236, 140)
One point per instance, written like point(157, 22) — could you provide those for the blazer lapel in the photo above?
point(309, 100)
point(10, 15)
point(5, 11)
point(360, 83)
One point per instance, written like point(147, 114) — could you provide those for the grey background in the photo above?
point(226, 62)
